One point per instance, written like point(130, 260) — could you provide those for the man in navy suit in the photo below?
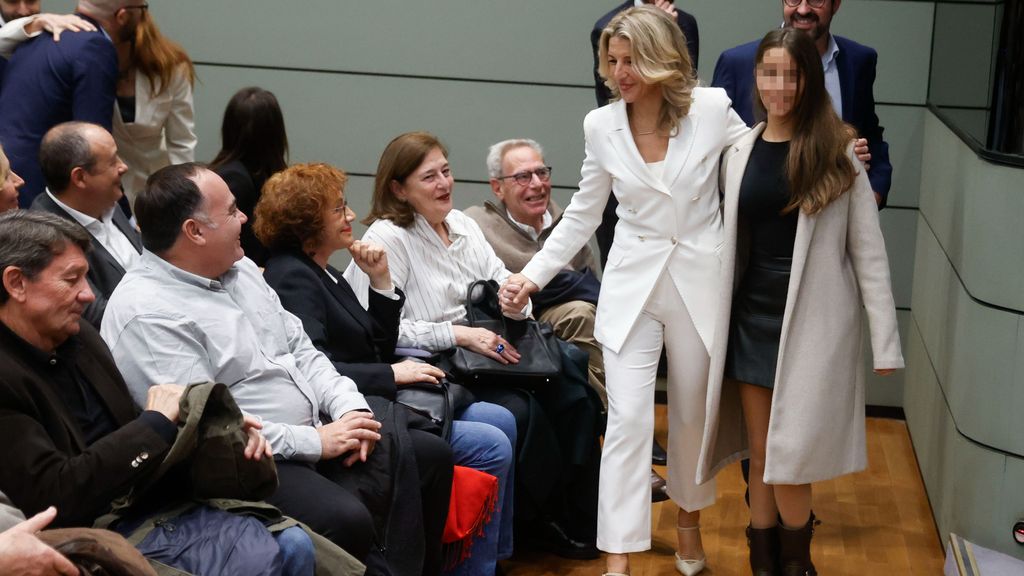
point(49, 82)
point(849, 79)
point(83, 177)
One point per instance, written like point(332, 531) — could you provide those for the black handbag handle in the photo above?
point(487, 301)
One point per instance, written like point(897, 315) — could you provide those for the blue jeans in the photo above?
point(298, 557)
point(484, 438)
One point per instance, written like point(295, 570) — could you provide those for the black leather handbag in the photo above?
point(438, 403)
point(536, 342)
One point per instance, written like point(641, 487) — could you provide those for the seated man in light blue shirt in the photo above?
point(194, 309)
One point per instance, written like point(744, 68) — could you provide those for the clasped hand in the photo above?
point(355, 432)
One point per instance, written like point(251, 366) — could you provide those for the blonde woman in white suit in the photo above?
point(154, 122)
point(804, 251)
point(657, 148)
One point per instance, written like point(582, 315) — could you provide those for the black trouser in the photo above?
point(330, 510)
point(434, 463)
point(556, 466)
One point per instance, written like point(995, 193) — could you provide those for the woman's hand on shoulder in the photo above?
point(483, 341)
point(411, 372)
point(372, 259)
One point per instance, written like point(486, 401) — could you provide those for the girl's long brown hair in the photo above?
point(819, 167)
point(159, 58)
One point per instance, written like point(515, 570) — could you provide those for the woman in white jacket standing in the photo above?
point(153, 115)
point(657, 148)
point(804, 251)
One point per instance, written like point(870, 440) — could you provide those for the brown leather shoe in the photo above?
point(659, 492)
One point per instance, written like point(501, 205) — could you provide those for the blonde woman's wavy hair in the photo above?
point(659, 55)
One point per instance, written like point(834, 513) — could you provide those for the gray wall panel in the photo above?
point(448, 38)
point(961, 70)
point(348, 120)
point(974, 491)
point(904, 131)
point(903, 45)
point(974, 209)
point(899, 228)
point(972, 349)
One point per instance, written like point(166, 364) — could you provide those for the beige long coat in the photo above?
point(816, 429)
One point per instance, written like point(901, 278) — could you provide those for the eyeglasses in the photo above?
point(811, 3)
point(144, 7)
point(525, 177)
point(341, 208)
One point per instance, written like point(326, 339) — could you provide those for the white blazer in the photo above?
point(163, 132)
point(673, 224)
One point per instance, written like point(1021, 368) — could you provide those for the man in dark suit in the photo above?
point(849, 78)
point(48, 82)
point(83, 176)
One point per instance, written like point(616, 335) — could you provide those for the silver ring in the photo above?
point(499, 348)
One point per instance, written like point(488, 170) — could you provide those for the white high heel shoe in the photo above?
point(685, 566)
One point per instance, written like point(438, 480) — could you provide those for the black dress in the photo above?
point(760, 301)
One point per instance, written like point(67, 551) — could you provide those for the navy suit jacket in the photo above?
point(856, 65)
point(47, 83)
point(105, 272)
point(687, 23)
point(356, 340)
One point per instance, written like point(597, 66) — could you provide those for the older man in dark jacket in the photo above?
point(82, 444)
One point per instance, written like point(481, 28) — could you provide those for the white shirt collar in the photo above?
point(545, 224)
point(82, 218)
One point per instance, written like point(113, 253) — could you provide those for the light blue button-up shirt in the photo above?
point(167, 326)
point(830, 66)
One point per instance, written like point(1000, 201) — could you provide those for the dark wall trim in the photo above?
point(985, 154)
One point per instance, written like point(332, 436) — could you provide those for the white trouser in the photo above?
point(624, 508)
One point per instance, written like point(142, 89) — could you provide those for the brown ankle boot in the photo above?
point(795, 550)
point(764, 550)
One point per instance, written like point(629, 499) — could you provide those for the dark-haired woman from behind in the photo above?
point(803, 244)
point(254, 146)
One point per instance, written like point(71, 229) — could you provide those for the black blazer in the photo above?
point(46, 461)
point(105, 272)
point(687, 23)
point(246, 188)
point(357, 341)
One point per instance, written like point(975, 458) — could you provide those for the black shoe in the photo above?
point(658, 455)
point(549, 536)
point(659, 488)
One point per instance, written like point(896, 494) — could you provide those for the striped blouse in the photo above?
point(433, 276)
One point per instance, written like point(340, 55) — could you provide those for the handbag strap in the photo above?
point(489, 298)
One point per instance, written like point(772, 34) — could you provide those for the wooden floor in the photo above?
point(877, 522)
